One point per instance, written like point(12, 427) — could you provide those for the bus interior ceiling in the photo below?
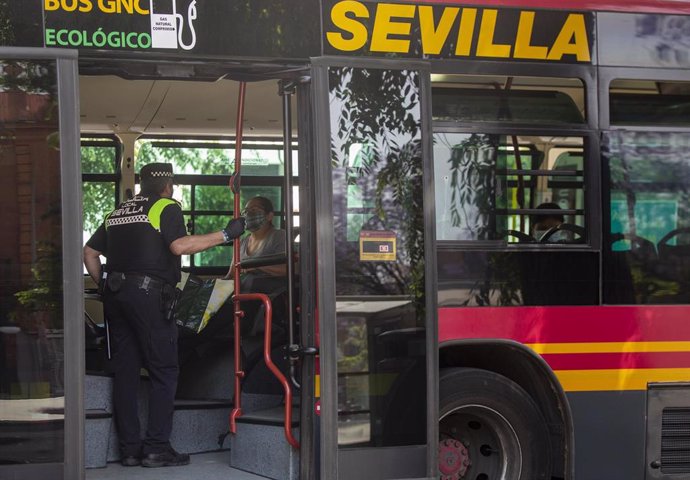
point(111, 104)
point(186, 108)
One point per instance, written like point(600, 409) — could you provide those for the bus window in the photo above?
point(510, 209)
point(647, 259)
point(645, 102)
point(482, 98)
point(99, 160)
point(485, 191)
point(33, 293)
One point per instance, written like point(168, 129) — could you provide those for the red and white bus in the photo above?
point(488, 228)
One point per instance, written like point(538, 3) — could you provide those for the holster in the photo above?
point(114, 281)
point(169, 297)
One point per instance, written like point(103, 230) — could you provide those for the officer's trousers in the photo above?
point(140, 336)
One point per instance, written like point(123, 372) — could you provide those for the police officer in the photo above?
point(142, 240)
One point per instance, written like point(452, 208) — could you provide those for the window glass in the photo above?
point(484, 98)
point(32, 390)
point(518, 277)
point(379, 253)
point(216, 256)
point(516, 189)
point(185, 160)
point(646, 102)
point(213, 197)
point(99, 159)
point(189, 156)
point(98, 156)
point(647, 254)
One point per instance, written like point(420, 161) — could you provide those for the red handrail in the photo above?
point(268, 324)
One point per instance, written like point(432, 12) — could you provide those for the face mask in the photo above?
point(255, 221)
point(555, 237)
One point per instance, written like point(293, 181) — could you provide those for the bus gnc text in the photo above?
point(106, 6)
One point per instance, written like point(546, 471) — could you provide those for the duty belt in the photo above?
point(144, 282)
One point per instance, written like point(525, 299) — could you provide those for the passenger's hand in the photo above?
point(234, 228)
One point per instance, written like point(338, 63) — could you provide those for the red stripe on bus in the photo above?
point(599, 361)
point(566, 324)
point(633, 6)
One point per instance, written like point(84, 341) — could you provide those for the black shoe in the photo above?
point(130, 461)
point(169, 458)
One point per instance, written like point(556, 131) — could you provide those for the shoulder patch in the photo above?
point(157, 209)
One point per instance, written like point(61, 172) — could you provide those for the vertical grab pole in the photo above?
point(238, 313)
point(286, 90)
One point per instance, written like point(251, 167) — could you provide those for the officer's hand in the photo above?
point(234, 228)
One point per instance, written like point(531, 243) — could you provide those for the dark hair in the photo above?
point(154, 186)
point(265, 204)
point(553, 216)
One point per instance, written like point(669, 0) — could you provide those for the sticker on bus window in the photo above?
point(377, 246)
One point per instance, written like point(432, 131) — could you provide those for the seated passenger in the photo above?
point(263, 240)
point(543, 223)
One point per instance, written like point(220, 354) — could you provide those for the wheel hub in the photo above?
point(453, 459)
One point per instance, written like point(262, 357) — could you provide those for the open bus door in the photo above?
point(376, 271)
point(40, 265)
point(257, 410)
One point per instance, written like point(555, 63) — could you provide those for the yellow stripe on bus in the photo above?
point(618, 379)
point(609, 347)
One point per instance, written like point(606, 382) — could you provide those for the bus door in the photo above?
point(40, 256)
point(377, 330)
point(201, 152)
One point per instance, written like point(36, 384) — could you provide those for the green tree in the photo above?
point(98, 197)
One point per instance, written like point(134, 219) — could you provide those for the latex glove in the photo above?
point(234, 228)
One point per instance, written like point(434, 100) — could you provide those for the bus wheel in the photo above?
point(490, 429)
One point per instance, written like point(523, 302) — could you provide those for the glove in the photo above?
point(234, 229)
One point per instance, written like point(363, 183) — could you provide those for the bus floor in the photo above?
point(209, 466)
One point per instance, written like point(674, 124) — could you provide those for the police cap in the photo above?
point(156, 170)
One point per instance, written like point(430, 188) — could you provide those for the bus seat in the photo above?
point(276, 289)
point(674, 260)
point(641, 251)
point(273, 286)
point(619, 285)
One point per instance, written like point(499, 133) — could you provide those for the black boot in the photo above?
point(168, 458)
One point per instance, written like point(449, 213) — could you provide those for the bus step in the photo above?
point(98, 424)
point(197, 424)
point(260, 446)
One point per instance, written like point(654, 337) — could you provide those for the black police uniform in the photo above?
point(141, 274)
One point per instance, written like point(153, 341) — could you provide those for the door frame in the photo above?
point(72, 273)
point(323, 216)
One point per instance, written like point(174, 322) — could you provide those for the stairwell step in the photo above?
point(197, 426)
point(263, 450)
point(270, 416)
point(99, 423)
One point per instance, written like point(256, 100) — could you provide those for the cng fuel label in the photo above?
point(120, 24)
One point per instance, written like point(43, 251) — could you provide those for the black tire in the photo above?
point(490, 429)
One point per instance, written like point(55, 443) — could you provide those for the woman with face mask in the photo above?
point(541, 224)
point(264, 239)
